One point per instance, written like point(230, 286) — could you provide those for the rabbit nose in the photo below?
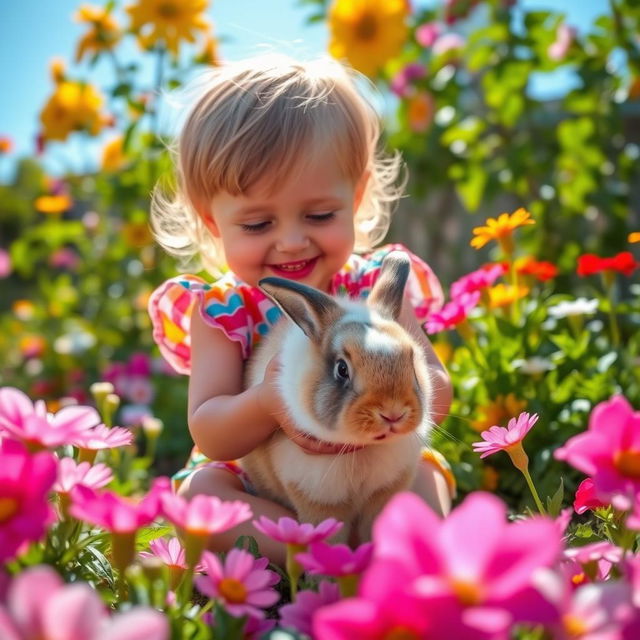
point(392, 417)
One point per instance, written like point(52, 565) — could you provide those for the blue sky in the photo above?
point(34, 31)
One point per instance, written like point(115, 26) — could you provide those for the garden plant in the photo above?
point(528, 209)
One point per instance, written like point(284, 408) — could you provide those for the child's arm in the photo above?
point(225, 422)
point(443, 391)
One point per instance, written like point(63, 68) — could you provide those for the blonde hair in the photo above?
point(260, 118)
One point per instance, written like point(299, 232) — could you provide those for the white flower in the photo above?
point(577, 307)
point(534, 365)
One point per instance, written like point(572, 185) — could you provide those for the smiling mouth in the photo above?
point(298, 267)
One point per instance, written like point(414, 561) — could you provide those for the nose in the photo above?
point(392, 417)
point(292, 239)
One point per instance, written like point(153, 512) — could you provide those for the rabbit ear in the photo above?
point(388, 291)
point(309, 308)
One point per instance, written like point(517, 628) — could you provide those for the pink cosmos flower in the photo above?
point(102, 437)
point(586, 497)
point(427, 33)
point(299, 614)
point(41, 605)
point(114, 512)
point(402, 83)
point(609, 451)
point(590, 563)
point(5, 264)
point(447, 42)
point(335, 560)
point(22, 420)
point(171, 553)
point(241, 583)
point(204, 515)
point(453, 313)
point(290, 531)
point(476, 280)
point(501, 439)
point(71, 473)
point(565, 35)
point(467, 586)
point(595, 611)
point(25, 482)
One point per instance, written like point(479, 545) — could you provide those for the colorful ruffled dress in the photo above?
point(245, 314)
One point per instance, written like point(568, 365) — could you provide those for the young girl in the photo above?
point(279, 173)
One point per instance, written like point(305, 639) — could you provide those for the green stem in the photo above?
point(534, 493)
point(608, 281)
point(294, 570)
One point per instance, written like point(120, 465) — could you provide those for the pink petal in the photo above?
point(14, 406)
point(76, 418)
point(73, 613)
point(141, 623)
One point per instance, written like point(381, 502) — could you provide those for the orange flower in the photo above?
point(137, 234)
point(23, 309)
point(53, 204)
point(541, 270)
point(209, 53)
point(58, 70)
point(103, 34)
point(32, 346)
point(499, 411)
point(6, 145)
point(113, 156)
point(501, 229)
point(420, 110)
point(443, 350)
point(503, 295)
point(634, 237)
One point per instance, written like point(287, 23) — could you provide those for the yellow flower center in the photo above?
point(367, 27)
point(628, 463)
point(8, 508)
point(232, 590)
point(573, 626)
point(578, 578)
point(168, 10)
point(469, 593)
point(401, 633)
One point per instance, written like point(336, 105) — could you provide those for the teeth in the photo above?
point(291, 267)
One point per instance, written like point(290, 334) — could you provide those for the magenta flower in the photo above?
point(591, 562)
point(71, 473)
point(22, 420)
point(470, 574)
point(453, 313)
point(41, 605)
point(171, 553)
point(290, 531)
point(5, 264)
point(299, 614)
point(609, 451)
point(102, 437)
point(114, 512)
point(476, 280)
point(242, 583)
point(335, 560)
point(427, 33)
point(25, 482)
point(504, 439)
point(402, 83)
point(448, 42)
point(586, 497)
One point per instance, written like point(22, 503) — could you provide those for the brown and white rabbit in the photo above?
point(350, 374)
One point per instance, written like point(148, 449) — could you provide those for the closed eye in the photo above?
point(321, 217)
point(256, 227)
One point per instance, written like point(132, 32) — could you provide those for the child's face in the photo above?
point(302, 231)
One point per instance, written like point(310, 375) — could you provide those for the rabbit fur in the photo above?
point(349, 374)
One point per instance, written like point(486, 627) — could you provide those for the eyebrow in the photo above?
point(266, 207)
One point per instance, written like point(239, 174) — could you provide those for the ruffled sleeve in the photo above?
point(358, 276)
point(242, 312)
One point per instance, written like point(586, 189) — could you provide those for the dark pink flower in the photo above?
point(335, 560)
point(453, 313)
point(502, 439)
point(114, 512)
point(586, 497)
point(299, 614)
point(5, 264)
point(290, 531)
point(25, 482)
point(402, 83)
point(426, 34)
point(31, 424)
point(609, 451)
point(40, 605)
point(242, 583)
point(476, 280)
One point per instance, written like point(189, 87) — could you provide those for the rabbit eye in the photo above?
point(341, 370)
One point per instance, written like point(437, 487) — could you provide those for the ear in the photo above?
point(361, 187)
point(388, 291)
point(312, 310)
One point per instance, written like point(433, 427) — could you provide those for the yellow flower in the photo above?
point(53, 204)
point(443, 350)
point(58, 70)
point(502, 409)
point(420, 109)
point(634, 237)
point(501, 229)
point(74, 106)
point(367, 33)
point(103, 34)
point(23, 309)
point(137, 234)
point(502, 295)
point(167, 21)
point(113, 156)
point(208, 54)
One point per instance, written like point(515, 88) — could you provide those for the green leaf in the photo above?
point(554, 503)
